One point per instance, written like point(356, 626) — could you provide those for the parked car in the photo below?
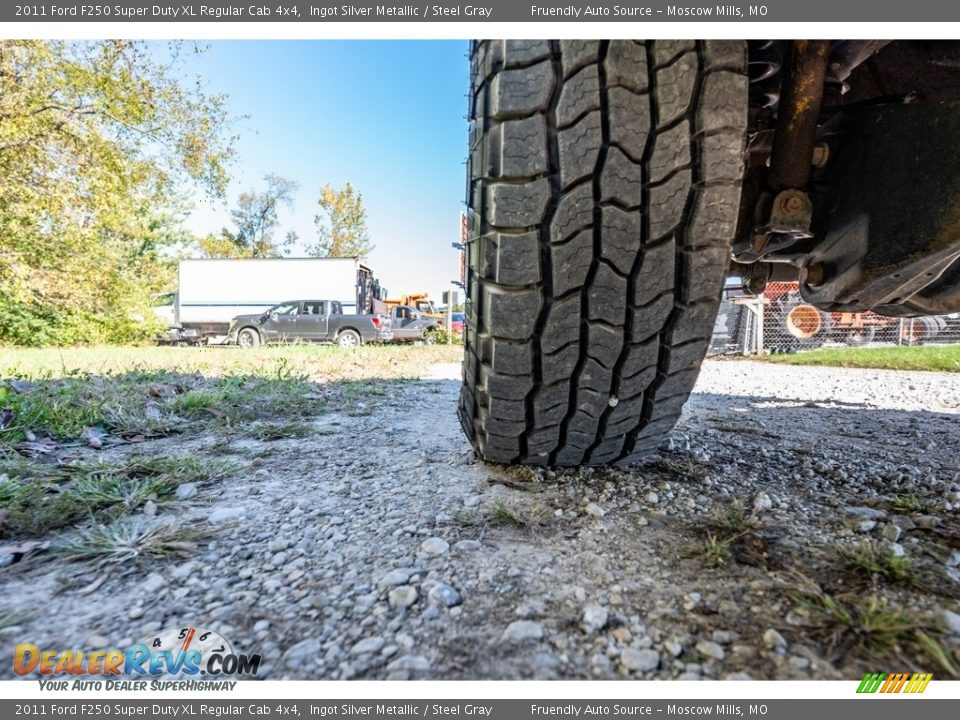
point(308, 321)
point(409, 325)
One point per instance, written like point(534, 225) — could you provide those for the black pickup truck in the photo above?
point(308, 321)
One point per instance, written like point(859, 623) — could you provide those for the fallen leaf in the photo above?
point(134, 438)
point(21, 385)
point(149, 508)
point(152, 411)
point(6, 418)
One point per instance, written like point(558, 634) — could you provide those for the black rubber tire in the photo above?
point(349, 338)
point(252, 334)
point(604, 189)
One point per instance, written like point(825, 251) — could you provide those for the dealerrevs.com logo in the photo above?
point(182, 652)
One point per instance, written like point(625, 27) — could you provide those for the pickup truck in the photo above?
point(409, 325)
point(310, 321)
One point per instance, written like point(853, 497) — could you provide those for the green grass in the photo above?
point(872, 628)
point(870, 560)
point(723, 532)
point(505, 515)
point(313, 362)
point(282, 431)
point(41, 498)
point(942, 358)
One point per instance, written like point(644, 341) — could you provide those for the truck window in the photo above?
point(287, 308)
point(314, 307)
point(164, 300)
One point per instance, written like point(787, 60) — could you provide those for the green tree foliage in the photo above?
point(341, 224)
point(256, 221)
point(97, 142)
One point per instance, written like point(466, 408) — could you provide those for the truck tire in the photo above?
point(349, 338)
point(604, 191)
point(248, 338)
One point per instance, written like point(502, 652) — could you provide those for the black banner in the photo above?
point(535, 11)
point(891, 707)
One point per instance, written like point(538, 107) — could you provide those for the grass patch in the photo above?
point(908, 503)
point(282, 431)
point(685, 469)
point(870, 560)
point(942, 358)
point(504, 515)
point(38, 498)
point(870, 628)
point(727, 536)
point(125, 540)
point(313, 362)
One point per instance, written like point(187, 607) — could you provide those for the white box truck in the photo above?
point(211, 292)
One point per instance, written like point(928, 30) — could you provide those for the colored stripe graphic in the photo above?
point(894, 683)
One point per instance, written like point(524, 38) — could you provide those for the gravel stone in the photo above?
point(402, 596)
point(866, 512)
point(223, 515)
point(409, 663)
point(640, 660)
point(774, 640)
point(368, 645)
point(396, 577)
point(302, 652)
point(434, 546)
point(762, 503)
point(185, 491)
point(444, 595)
point(594, 619)
point(951, 620)
point(711, 649)
point(523, 630)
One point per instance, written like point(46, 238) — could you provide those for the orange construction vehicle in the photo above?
point(420, 302)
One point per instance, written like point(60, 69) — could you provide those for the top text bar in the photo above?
point(482, 11)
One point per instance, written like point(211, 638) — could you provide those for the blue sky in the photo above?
point(386, 115)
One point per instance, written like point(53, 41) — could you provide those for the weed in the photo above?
point(687, 468)
point(871, 626)
point(727, 535)
point(714, 552)
point(870, 560)
point(62, 496)
point(125, 540)
point(510, 516)
point(281, 431)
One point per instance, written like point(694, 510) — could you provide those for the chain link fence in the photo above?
point(779, 321)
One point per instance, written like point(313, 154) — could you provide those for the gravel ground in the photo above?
point(799, 523)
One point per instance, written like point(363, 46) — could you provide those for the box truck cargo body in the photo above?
point(210, 293)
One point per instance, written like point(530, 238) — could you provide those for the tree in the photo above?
point(341, 224)
point(256, 217)
point(97, 142)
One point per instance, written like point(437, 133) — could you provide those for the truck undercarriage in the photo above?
point(852, 184)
